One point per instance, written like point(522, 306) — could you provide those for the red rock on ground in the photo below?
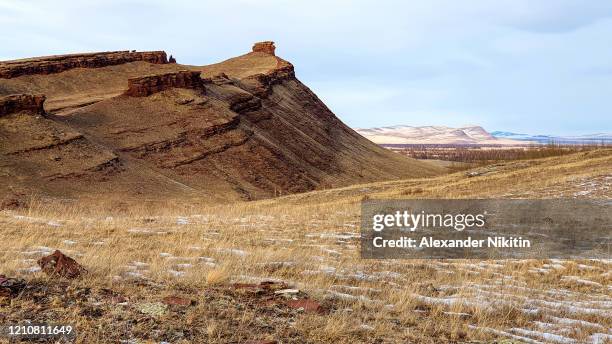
point(177, 301)
point(58, 264)
point(309, 306)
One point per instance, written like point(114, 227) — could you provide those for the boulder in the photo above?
point(307, 305)
point(58, 264)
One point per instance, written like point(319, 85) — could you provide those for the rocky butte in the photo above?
point(129, 124)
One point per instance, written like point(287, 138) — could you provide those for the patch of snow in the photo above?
point(600, 338)
point(553, 266)
point(349, 297)
point(330, 251)
point(335, 235)
point(575, 322)
point(585, 267)
point(449, 301)
point(234, 251)
point(459, 314)
point(30, 270)
point(176, 273)
point(134, 274)
point(505, 334)
point(327, 269)
point(549, 337)
point(581, 281)
point(139, 230)
point(352, 288)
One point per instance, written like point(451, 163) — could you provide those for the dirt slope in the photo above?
point(248, 129)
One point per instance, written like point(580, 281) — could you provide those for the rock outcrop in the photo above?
point(21, 102)
point(58, 264)
point(147, 85)
point(60, 63)
point(264, 47)
point(261, 84)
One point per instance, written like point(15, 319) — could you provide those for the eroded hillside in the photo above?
point(242, 129)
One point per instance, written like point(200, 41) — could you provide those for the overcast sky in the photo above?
point(529, 66)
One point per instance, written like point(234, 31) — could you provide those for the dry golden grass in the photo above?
point(310, 241)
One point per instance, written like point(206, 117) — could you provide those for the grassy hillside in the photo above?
point(147, 251)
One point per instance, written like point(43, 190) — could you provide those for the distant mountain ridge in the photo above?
point(405, 134)
point(469, 135)
point(579, 139)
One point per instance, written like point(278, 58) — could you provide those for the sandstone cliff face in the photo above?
point(147, 85)
point(264, 47)
point(60, 63)
point(21, 102)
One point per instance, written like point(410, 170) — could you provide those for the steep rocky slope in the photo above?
point(245, 128)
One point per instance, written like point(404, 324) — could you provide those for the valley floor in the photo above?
point(212, 261)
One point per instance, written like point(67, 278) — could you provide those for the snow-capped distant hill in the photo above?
point(581, 139)
point(404, 134)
